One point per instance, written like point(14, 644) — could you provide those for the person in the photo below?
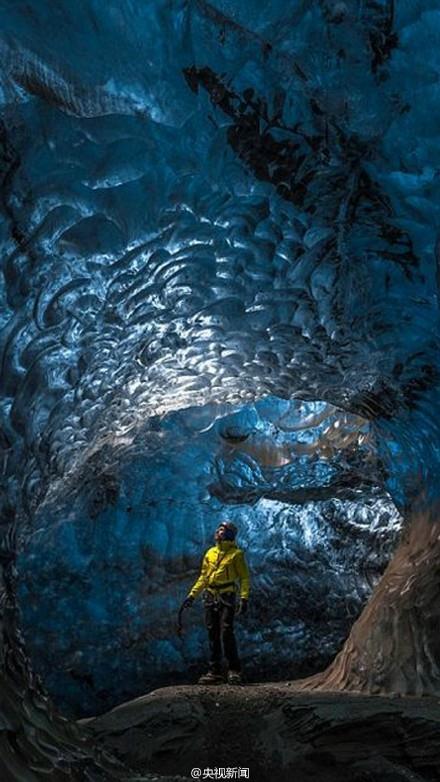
point(223, 565)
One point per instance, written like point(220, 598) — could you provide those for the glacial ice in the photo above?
point(206, 206)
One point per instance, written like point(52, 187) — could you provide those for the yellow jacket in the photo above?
point(222, 564)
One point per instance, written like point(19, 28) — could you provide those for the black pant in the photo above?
point(219, 620)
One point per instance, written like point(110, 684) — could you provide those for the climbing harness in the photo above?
point(216, 599)
point(179, 629)
point(213, 592)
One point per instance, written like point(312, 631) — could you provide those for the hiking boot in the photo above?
point(234, 677)
point(211, 678)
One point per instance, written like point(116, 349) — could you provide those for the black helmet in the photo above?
point(230, 529)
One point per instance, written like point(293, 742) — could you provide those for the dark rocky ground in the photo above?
point(276, 732)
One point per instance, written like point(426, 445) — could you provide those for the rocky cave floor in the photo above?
point(277, 732)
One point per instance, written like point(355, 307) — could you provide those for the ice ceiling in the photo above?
point(209, 204)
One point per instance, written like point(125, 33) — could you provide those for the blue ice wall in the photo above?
point(203, 202)
point(207, 204)
point(105, 571)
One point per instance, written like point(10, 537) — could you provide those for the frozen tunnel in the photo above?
point(219, 295)
point(104, 572)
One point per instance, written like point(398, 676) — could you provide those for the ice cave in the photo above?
point(220, 233)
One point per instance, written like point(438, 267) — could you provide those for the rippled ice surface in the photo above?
point(104, 572)
point(174, 235)
point(207, 204)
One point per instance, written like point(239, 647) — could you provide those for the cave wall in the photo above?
point(208, 202)
point(102, 577)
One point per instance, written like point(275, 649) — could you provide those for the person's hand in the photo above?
point(187, 603)
point(243, 606)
